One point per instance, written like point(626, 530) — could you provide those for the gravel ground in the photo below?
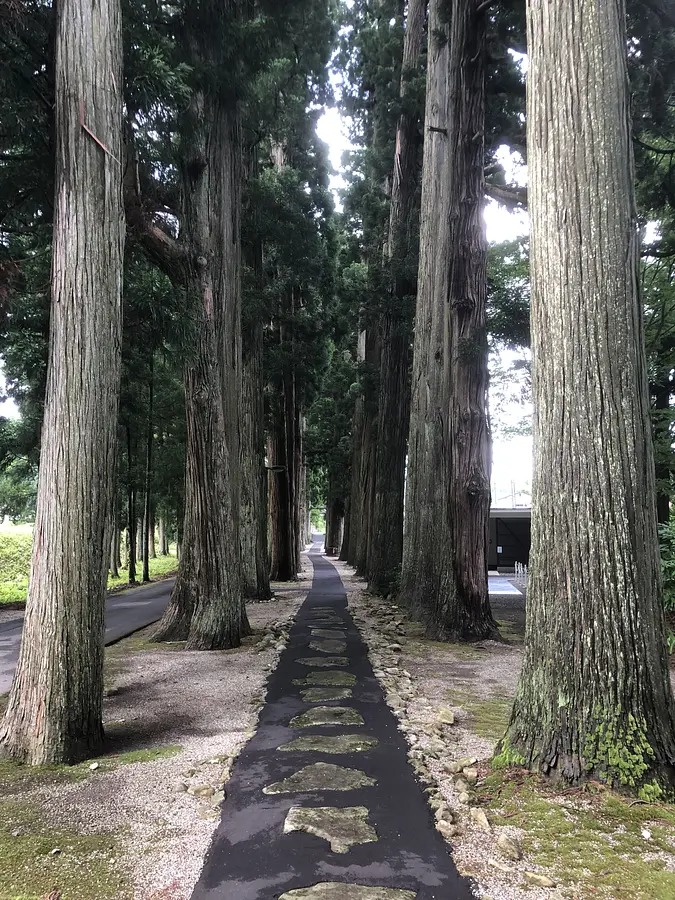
point(205, 706)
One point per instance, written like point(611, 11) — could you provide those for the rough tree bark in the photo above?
point(54, 708)
point(427, 549)
point(396, 329)
point(594, 698)
point(206, 607)
point(445, 560)
point(469, 617)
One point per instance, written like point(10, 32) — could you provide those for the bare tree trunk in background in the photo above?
point(147, 507)
point(206, 606)
point(594, 698)
point(363, 472)
point(54, 708)
point(114, 539)
point(396, 330)
point(163, 539)
point(346, 531)
point(254, 549)
point(141, 539)
point(283, 557)
point(131, 512)
point(152, 545)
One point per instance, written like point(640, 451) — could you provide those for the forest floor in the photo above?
point(135, 824)
point(511, 831)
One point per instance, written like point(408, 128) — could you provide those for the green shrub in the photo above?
point(667, 542)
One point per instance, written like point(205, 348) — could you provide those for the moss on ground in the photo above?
point(88, 865)
point(591, 839)
point(487, 717)
point(86, 868)
point(511, 631)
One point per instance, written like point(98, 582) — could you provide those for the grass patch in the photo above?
point(15, 552)
point(160, 566)
point(87, 868)
point(510, 631)
point(487, 718)
point(592, 837)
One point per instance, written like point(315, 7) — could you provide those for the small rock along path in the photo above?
point(322, 804)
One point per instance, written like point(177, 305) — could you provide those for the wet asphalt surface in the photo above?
point(252, 859)
point(124, 613)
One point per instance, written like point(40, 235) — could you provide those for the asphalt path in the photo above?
point(251, 858)
point(125, 613)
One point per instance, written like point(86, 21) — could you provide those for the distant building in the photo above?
point(509, 538)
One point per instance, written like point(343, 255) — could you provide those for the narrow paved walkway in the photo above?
point(322, 804)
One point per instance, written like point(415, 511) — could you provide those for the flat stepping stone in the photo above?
point(324, 662)
point(328, 633)
point(330, 743)
point(342, 828)
point(339, 679)
point(327, 715)
point(322, 646)
point(322, 694)
point(333, 890)
point(321, 777)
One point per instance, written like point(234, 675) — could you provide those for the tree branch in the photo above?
point(160, 248)
point(512, 197)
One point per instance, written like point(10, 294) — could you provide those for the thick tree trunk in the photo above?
point(428, 557)
point(396, 330)
point(206, 606)
point(54, 708)
point(445, 572)
point(594, 699)
point(470, 616)
point(148, 528)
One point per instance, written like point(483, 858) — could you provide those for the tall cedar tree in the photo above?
point(444, 576)
point(386, 549)
point(206, 607)
point(54, 709)
point(594, 698)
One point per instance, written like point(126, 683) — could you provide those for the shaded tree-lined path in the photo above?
point(353, 775)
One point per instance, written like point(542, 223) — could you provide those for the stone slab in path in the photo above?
point(252, 857)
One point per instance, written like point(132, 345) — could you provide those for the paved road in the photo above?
point(353, 774)
point(125, 613)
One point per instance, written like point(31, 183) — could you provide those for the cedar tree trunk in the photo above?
point(594, 698)
point(54, 708)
